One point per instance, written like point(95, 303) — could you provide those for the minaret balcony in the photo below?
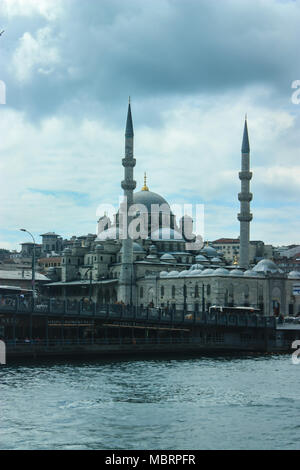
point(245, 175)
point(128, 185)
point(245, 197)
point(244, 217)
point(129, 162)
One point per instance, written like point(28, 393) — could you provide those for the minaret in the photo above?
point(126, 289)
point(245, 197)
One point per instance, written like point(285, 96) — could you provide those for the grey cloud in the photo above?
point(111, 48)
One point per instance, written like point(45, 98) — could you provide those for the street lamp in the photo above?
point(33, 261)
point(91, 280)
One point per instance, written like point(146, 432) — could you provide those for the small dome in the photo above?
point(167, 257)
point(294, 275)
point(266, 266)
point(221, 272)
point(183, 273)
point(209, 251)
point(173, 274)
point(137, 248)
point(251, 273)
point(236, 272)
point(207, 272)
point(163, 274)
point(216, 260)
point(194, 272)
point(200, 259)
point(152, 256)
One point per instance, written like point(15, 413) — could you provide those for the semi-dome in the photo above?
point(221, 272)
point(137, 248)
point(266, 266)
point(167, 234)
point(251, 273)
point(294, 275)
point(236, 272)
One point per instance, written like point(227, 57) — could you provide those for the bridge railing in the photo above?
point(48, 344)
point(73, 308)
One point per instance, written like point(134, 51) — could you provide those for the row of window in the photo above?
point(173, 291)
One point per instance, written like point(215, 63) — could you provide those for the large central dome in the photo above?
point(148, 198)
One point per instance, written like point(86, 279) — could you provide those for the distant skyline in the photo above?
point(193, 69)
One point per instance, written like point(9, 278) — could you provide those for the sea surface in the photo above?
point(239, 402)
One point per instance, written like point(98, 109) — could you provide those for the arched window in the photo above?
point(162, 291)
point(173, 292)
point(196, 290)
point(141, 292)
point(208, 289)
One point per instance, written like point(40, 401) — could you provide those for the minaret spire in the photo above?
point(129, 125)
point(245, 197)
point(245, 144)
point(126, 292)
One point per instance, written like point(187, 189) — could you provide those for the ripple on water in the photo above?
point(205, 403)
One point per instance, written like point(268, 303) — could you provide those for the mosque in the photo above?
point(159, 267)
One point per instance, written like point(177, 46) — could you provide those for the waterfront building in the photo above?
point(22, 278)
point(51, 243)
point(230, 247)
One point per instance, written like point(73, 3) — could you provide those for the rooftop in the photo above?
point(227, 240)
point(22, 275)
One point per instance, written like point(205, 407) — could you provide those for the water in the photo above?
point(161, 404)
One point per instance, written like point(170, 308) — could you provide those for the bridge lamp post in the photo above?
point(33, 262)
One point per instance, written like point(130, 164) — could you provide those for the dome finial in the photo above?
point(145, 187)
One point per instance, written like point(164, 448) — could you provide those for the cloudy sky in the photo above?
point(193, 68)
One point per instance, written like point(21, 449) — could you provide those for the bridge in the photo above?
point(79, 309)
point(64, 327)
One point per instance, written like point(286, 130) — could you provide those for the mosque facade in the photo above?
point(160, 267)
